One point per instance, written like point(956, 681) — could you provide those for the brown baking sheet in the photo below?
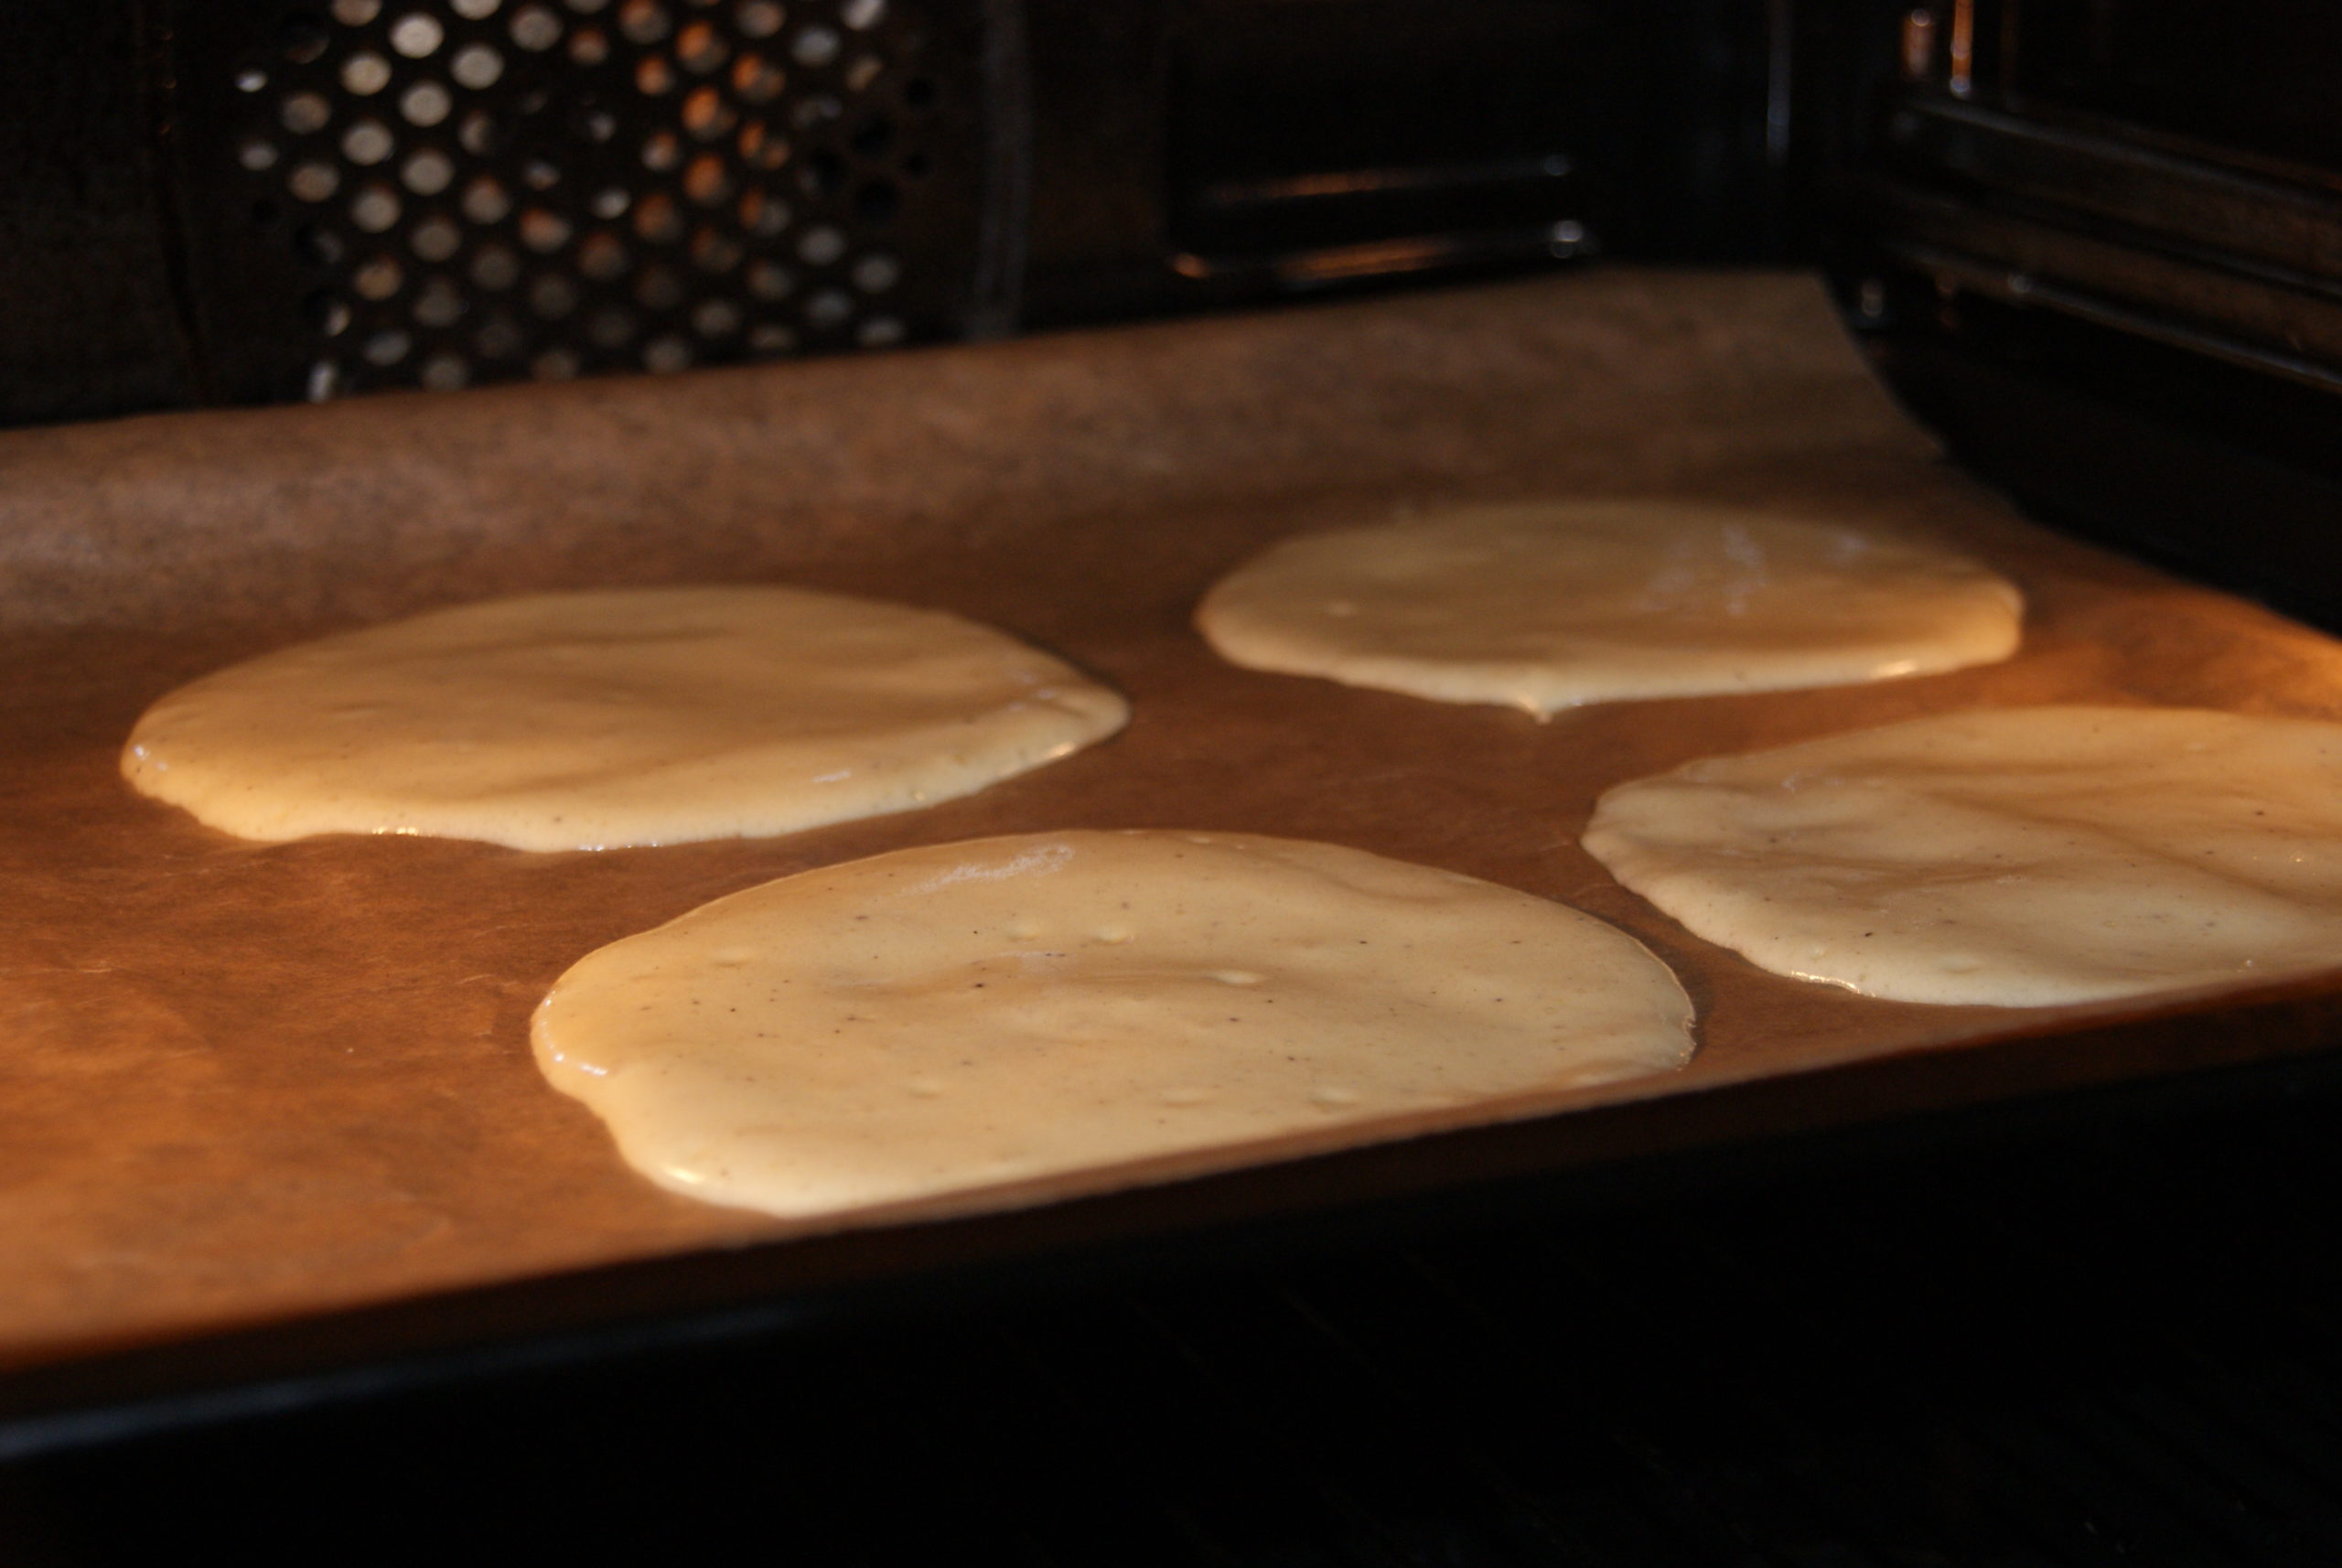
point(244, 1086)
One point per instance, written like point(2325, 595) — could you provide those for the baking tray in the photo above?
point(268, 1111)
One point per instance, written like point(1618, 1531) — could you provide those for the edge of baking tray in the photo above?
point(2193, 1051)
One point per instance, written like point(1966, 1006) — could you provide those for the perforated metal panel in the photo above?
point(439, 192)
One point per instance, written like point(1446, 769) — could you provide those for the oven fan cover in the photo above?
point(437, 193)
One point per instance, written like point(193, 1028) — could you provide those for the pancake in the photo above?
point(618, 716)
point(969, 1023)
point(1553, 604)
point(2019, 856)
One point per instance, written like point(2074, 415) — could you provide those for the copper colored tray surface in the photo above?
point(244, 1086)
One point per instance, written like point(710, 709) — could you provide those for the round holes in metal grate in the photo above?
point(486, 190)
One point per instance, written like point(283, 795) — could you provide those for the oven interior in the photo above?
point(2094, 243)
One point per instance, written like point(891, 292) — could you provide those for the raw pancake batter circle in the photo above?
point(1553, 604)
point(943, 1021)
point(2019, 856)
point(620, 716)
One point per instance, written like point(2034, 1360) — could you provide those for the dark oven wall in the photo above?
point(265, 201)
point(2098, 245)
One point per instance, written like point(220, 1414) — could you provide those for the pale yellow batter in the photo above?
point(622, 716)
point(1550, 606)
point(2021, 856)
point(952, 1021)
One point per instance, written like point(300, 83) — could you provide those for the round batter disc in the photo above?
point(2019, 856)
point(954, 1020)
point(1551, 605)
point(620, 716)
